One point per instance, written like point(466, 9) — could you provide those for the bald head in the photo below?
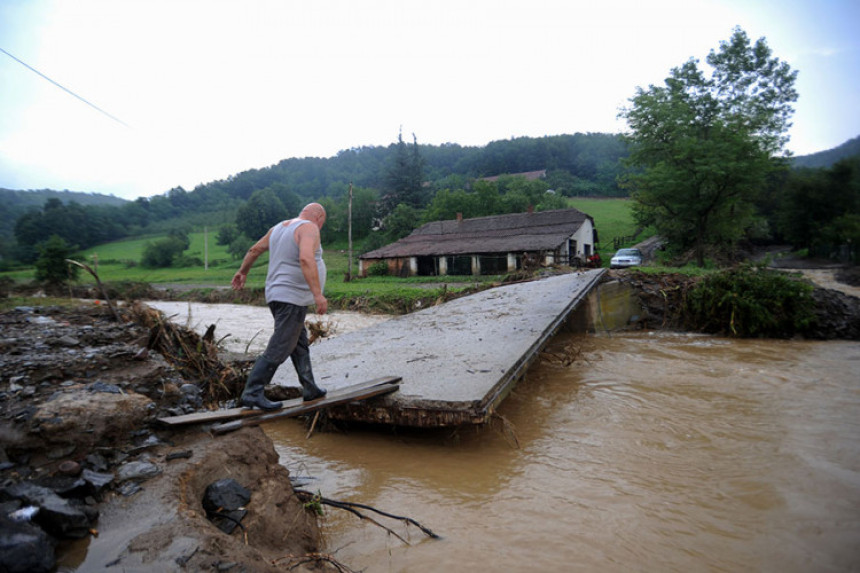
point(315, 213)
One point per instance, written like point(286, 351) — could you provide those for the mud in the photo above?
point(836, 303)
point(78, 386)
point(81, 392)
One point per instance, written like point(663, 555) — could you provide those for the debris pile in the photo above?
point(79, 396)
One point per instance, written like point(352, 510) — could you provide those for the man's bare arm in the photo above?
point(251, 257)
point(308, 240)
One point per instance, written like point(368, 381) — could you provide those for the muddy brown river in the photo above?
point(651, 452)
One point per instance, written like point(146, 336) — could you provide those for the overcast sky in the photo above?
point(193, 91)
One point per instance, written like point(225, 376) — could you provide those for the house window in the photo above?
point(496, 264)
point(459, 265)
point(571, 251)
point(427, 267)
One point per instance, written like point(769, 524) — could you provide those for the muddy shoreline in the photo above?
point(79, 396)
point(79, 401)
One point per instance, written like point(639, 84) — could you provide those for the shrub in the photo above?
point(750, 301)
point(51, 266)
point(160, 254)
point(379, 269)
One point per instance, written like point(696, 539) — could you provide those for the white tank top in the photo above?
point(285, 281)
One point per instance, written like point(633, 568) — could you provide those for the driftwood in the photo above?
point(102, 288)
point(195, 357)
point(310, 498)
point(298, 560)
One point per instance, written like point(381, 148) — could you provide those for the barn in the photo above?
point(488, 245)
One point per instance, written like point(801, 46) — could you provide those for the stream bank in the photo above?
point(79, 393)
point(88, 479)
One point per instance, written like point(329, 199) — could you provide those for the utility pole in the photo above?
point(349, 233)
point(205, 248)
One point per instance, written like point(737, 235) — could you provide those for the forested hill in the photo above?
point(827, 158)
point(575, 165)
point(13, 204)
point(591, 161)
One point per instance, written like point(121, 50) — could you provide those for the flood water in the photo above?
point(650, 452)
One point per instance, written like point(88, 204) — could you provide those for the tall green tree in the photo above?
point(404, 178)
point(705, 144)
point(51, 266)
point(262, 210)
point(820, 208)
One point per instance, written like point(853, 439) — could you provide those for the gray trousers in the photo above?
point(290, 338)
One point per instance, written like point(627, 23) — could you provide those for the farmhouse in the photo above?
point(489, 245)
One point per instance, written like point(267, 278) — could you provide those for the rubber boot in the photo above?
point(261, 374)
point(302, 362)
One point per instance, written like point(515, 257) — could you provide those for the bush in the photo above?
point(239, 247)
point(226, 235)
point(51, 266)
point(379, 269)
point(751, 301)
point(161, 253)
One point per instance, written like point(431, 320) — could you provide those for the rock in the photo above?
point(56, 515)
point(102, 387)
point(69, 468)
point(96, 480)
point(67, 341)
point(225, 494)
point(88, 418)
point(227, 521)
point(24, 548)
point(64, 486)
point(129, 488)
point(96, 462)
point(137, 470)
point(224, 502)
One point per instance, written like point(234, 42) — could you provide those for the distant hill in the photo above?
point(827, 158)
point(13, 203)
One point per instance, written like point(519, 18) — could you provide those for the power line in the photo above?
point(65, 89)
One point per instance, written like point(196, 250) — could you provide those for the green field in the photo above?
point(612, 218)
point(119, 261)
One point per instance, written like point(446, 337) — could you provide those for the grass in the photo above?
point(119, 262)
point(612, 218)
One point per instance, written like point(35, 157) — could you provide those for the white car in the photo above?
point(626, 258)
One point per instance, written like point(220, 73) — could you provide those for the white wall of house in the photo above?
point(584, 238)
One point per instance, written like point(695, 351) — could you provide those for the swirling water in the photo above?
point(649, 452)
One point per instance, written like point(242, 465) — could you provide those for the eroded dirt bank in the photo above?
point(835, 294)
point(79, 397)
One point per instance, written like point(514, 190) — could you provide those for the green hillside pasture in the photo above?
point(612, 218)
point(120, 262)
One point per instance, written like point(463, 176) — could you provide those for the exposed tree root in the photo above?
point(308, 497)
point(298, 560)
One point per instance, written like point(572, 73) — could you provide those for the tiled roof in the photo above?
point(518, 232)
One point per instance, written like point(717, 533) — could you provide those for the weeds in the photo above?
point(751, 301)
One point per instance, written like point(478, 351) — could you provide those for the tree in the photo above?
point(163, 253)
point(707, 144)
point(401, 221)
point(226, 234)
point(404, 179)
point(262, 210)
point(820, 208)
point(51, 266)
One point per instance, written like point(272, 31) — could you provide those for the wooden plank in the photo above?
point(233, 413)
point(307, 407)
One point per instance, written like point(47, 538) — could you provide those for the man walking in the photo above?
point(295, 280)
